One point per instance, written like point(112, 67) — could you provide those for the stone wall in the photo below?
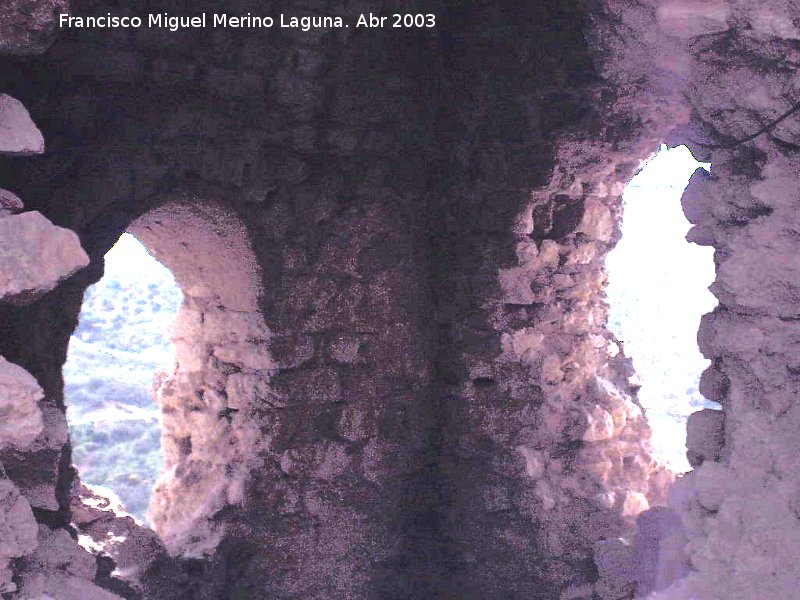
point(727, 73)
point(222, 364)
point(35, 256)
point(738, 506)
point(393, 376)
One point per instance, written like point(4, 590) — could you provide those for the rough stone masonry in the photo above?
point(394, 379)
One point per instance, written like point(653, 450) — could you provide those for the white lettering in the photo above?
point(308, 23)
point(108, 21)
point(245, 21)
point(174, 23)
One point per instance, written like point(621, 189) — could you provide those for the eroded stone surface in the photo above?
point(34, 256)
point(18, 134)
point(20, 417)
point(418, 397)
point(222, 361)
point(28, 26)
point(393, 375)
point(60, 568)
point(10, 204)
point(107, 531)
point(738, 521)
point(704, 436)
point(17, 531)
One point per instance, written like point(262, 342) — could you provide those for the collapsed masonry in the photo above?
point(393, 378)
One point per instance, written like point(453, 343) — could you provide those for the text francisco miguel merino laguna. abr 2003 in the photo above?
point(249, 21)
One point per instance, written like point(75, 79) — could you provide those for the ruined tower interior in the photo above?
point(393, 374)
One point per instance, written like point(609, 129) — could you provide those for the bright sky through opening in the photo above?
point(657, 292)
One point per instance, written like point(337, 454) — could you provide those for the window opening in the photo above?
point(121, 343)
point(657, 292)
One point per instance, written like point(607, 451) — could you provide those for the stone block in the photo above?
point(18, 134)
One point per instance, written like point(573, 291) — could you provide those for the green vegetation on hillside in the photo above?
point(122, 340)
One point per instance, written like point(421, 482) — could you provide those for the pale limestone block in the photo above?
point(20, 417)
point(35, 256)
point(18, 134)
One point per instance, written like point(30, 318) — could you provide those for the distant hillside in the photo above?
point(121, 341)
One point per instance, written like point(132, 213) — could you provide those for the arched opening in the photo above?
point(222, 370)
point(122, 341)
point(657, 292)
point(201, 419)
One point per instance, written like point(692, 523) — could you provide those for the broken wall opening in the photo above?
point(657, 292)
point(204, 397)
point(221, 365)
point(122, 341)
